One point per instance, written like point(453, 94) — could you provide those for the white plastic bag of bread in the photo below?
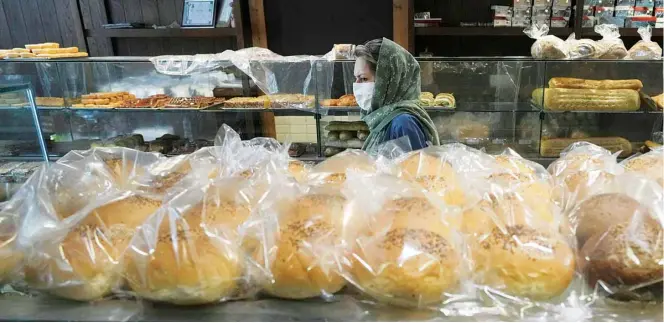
point(546, 46)
point(300, 229)
point(582, 168)
point(401, 244)
point(619, 233)
point(518, 239)
point(581, 48)
point(332, 171)
point(610, 46)
point(645, 48)
point(10, 255)
point(80, 258)
point(650, 164)
point(191, 250)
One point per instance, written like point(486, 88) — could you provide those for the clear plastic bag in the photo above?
point(581, 48)
point(188, 64)
point(610, 46)
point(645, 48)
point(191, 251)
point(402, 245)
point(301, 228)
point(546, 46)
point(650, 164)
point(581, 168)
point(332, 171)
point(10, 255)
point(619, 231)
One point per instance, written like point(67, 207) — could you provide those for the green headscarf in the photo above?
point(397, 91)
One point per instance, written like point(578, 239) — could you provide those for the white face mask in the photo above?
point(364, 94)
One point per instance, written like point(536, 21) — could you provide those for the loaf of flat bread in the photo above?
point(553, 147)
point(556, 99)
point(574, 83)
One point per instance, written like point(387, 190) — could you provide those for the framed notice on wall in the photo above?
point(199, 13)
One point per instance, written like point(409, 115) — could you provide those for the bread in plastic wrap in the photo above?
point(10, 255)
point(302, 241)
point(546, 46)
point(402, 245)
point(576, 83)
point(581, 48)
point(650, 165)
point(620, 229)
point(515, 232)
point(555, 146)
point(82, 259)
point(559, 99)
point(190, 251)
point(433, 172)
point(645, 48)
point(610, 46)
point(332, 171)
point(581, 167)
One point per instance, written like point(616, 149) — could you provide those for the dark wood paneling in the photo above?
point(5, 32)
point(50, 21)
point(71, 26)
point(15, 20)
point(94, 16)
point(300, 27)
point(33, 22)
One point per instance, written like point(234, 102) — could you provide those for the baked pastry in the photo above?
point(651, 165)
point(574, 83)
point(625, 256)
point(596, 214)
point(332, 171)
point(91, 251)
point(426, 95)
point(553, 147)
point(434, 174)
point(549, 47)
point(407, 255)
point(50, 101)
point(659, 100)
point(446, 100)
point(347, 100)
point(298, 170)
point(302, 259)
point(330, 103)
point(10, 257)
point(193, 257)
point(582, 48)
point(559, 99)
point(645, 50)
point(523, 262)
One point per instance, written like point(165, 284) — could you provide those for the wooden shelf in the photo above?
point(624, 32)
point(156, 33)
point(483, 31)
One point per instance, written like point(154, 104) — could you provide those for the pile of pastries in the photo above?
point(126, 100)
point(272, 101)
point(412, 229)
point(43, 50)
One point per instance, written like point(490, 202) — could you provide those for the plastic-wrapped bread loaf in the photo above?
point(574, 83)
point(553, 147)
point(588, 100)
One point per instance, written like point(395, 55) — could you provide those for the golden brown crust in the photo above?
point(524, 262)
point(347, 100)
point(574, 83)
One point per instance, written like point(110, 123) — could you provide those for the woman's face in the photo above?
point(363, 73)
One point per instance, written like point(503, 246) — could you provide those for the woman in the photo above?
point(387, 88)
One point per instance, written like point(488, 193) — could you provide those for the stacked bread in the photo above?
point(342, 135)
point(103, 99)
point(44, 50)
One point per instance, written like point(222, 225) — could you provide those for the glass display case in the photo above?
point(534, 107)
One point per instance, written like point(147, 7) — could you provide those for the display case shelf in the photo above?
point(164, 32)
point(483, 31)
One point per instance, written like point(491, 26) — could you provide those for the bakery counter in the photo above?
point(341, 309)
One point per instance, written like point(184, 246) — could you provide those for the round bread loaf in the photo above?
point(164, 175)
point(301, 262)
point(9, 256)
point(406, 256)
point(596, 214)
point(624, 256)
point(650, 165)
point(523, 262)
point(85, 265)
point(195, 258)
point(515, 164)
point(332, 171)
point(435, 175)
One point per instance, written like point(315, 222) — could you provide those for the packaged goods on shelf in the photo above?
point(501, 11)
point(640, 22)
point(523, 3)
point(581, 48)
point(659, 13)
point(559, 22)
point(546, 46)
point(624, 12)
point(541, 13)
point(502, 21)
point(522, 12)
point(643, 11)
point(645, 48)
point(659, 3)
point(562, 3)
point(543, 3)
point(588, 11)
point(521, 22)
point(629, 3)
point(564, 12)
point(588, 22)
point(604, 11)
point(645, 3)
